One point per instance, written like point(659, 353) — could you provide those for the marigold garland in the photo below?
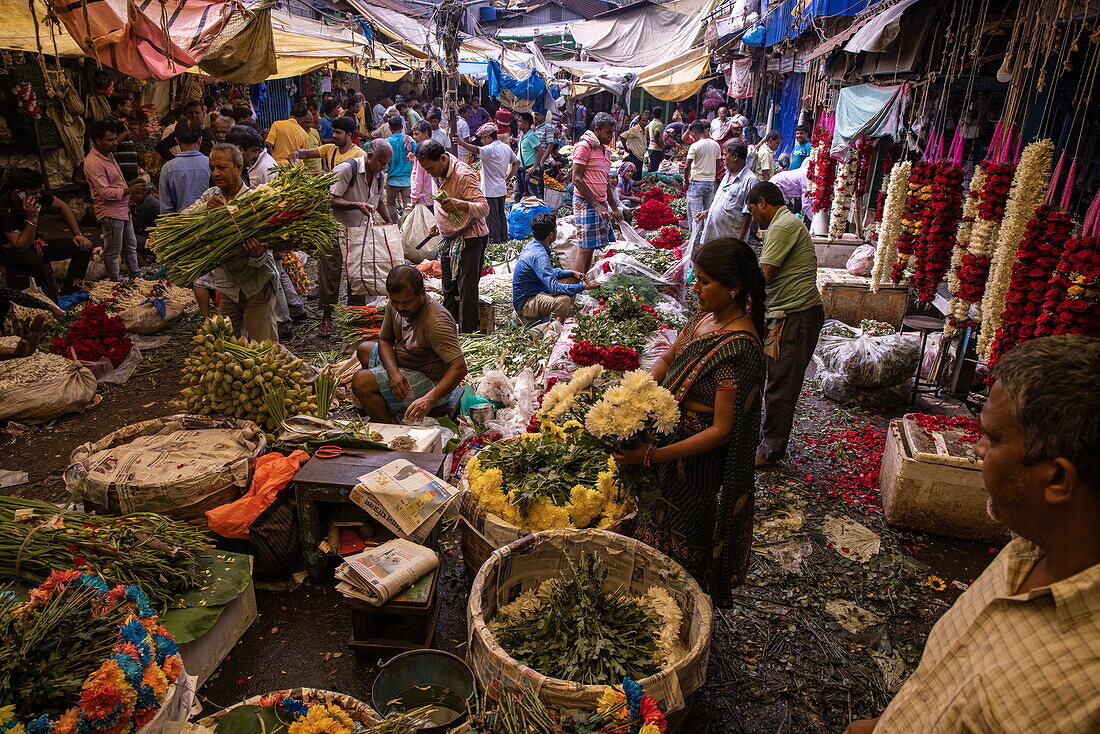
point(917, 199)
point(1029, 188)
point(1072, 301)
point(886, 253)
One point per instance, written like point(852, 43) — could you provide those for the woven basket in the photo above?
point(524, 564)
point(356, 709)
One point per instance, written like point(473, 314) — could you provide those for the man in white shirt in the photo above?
point(728, 215)
point(701, 170)
point(439, 132)
point(462, 127)
point(499, 164)
point(719, 126)
point(381, 102)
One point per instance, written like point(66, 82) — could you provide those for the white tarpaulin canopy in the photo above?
point(647, 35)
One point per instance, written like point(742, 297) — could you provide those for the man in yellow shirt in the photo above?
point(333, 154)
point(286, 136)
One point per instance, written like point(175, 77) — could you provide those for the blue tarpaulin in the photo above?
point(789, 100)
point(532, 88)
point(788, 20)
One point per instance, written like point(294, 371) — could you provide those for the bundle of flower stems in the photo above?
point(289, 212)
point(357, 324)
point(154, 552)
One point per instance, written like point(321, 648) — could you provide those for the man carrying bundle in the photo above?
point(246, 284)
point(417, 361)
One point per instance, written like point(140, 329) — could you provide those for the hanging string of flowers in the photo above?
point(1043, 243)
point(958, 309)
point(1072, 301)
point(864, 151)
point(886, 254)
point(889, 159)
point(941, 222)
point(821, 171)
point(917, 199)
point(1029, 188)
point(843, 195)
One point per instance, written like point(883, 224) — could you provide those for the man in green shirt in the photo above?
point(655, 133)
point(795, 314)
point(529, 177)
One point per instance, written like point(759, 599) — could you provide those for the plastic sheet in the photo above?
point(105, 372)
point(512, 421)
point(519, 219)
point(836, 389)
point(868, 361)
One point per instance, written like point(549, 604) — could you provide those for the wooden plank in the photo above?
point(346, 469)
point(939, 447)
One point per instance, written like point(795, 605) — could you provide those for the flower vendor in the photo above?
point(499, 164)
point(24, 254)
point(728, 213)
point(594, 203)
point(715, 370)
point(764, 164)
point(1020, 649)
point(795, 314)
point(417, 361)
point(634, 143)
point(246, 284)
point(287, 136)
point(460, 219)
point(538, 290)
point(801, 151)
point(655, 134)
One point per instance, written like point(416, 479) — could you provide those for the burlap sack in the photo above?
point(44, 400)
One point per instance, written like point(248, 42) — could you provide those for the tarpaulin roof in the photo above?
point(671, 80)
point(646, 35)
point(419, 40)
point(869, 33)
point(18, 29)
point(791, 17)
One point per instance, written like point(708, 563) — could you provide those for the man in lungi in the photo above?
point(595, 205)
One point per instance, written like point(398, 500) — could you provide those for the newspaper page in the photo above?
point(379, 574)
point(405, 498)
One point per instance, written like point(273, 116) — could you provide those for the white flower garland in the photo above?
point(843, 193)
point(1029, 188)
point(886, 254)
point(958, 307)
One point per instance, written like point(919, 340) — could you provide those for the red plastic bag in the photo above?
point(273, 472)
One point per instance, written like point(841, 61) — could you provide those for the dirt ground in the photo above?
point(778, 662)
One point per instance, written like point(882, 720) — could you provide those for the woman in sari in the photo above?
point(704, 469)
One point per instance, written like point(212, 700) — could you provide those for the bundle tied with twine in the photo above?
point(290, 212)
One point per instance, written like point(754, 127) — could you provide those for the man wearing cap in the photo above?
point(499, 163)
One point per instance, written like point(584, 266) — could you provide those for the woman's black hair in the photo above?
point(733, 263)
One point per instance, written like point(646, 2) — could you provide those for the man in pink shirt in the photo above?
point(422, 184)
point(111, 199)
point(593, 190)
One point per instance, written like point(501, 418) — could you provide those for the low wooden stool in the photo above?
point(406, 622)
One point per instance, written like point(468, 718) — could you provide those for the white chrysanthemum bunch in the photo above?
point(562, 397)
point(843, 193)
point(1029, 188)
point(636, 404)
point(958, 307)
point(886, 254)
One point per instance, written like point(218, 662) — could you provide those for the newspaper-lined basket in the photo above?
point(481, 532)
point(360, 712)
point(208, 481)
point(526, 563)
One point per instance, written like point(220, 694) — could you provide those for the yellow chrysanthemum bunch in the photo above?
point(326, 719)
point(630, 407)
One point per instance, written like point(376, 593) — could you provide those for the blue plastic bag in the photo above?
point(519, 220)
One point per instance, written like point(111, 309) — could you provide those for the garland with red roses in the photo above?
point(1072, 301)
point(941, 222)
point(865, 151)
point(918, 197)
point(974, 269)
point(93, 336)
point(821, 171)
point(623, 359)
point(1036, 258)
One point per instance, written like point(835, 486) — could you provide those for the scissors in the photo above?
point(331, 452)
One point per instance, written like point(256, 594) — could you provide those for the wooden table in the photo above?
point(330, 481)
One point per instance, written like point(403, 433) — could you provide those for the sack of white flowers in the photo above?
point(871, 355)
point(41, 387)
point(567, 612)
point(563, 475)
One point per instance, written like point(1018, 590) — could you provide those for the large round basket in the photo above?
point(182, 482)
point(481, 532)
point(526, 563)
point(356, 709)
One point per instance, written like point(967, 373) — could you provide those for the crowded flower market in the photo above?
point(550, 367)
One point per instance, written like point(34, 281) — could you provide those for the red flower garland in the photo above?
point(865, 151)
point(941, 223)
point(1072, 302)
point(623, 359)
point(654, 214)
point(994, 195)
point(973, 270)
point(669, 238)
point(918, 197)
point(93, 336)
point(822, 169)
point(1044, 240)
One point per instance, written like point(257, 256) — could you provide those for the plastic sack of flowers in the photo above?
point(866, 361)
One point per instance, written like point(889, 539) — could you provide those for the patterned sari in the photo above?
point(705, 521)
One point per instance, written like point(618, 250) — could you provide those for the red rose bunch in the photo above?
point(941, 223)
point(1036, 258)
point(585, 354)
point(656, 193)
point(822, 169)
point(1072, 301)
point(669, 238)
point(93, 336)
point(918, 198)
point(655, 213)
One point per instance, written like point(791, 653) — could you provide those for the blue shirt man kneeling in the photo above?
point(538, 288)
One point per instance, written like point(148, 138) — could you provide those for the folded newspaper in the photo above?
point(405, 498)
point(379, 574)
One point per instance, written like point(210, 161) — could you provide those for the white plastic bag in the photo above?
point(106, 373)
point(565, 243)
point(416, 224)
point(861, 260)
point(370, 253)
point(495, 385)
point(511, 422)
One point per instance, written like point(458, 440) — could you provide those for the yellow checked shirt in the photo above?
point(999, 661)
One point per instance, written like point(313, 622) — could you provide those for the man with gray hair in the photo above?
point(1020, 649)
point(247, 283)
point(595, 205)
point(763, 163)
point(728, 213)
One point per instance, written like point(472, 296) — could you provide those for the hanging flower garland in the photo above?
point(25, 100)
point(889, 160)
point(959, 309)
point(886, 254)
point(1036, 258)
point(1072, 301)
point(864, 151)
point(941, 223)
point(1029, 188)
point(843, 195)
point(821, 170)
point(917, 199)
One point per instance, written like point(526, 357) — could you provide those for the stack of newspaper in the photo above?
point(378, 574)
point(405, 498)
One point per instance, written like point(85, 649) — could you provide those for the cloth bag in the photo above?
point(370, 253)
point(416, 224)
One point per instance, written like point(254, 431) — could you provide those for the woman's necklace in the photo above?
point(740, 315)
